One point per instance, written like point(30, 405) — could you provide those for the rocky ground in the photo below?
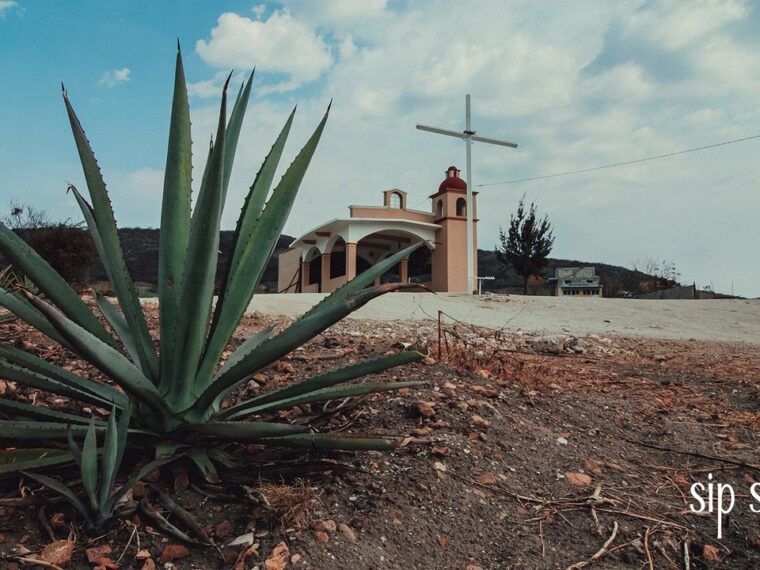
point(520, 451)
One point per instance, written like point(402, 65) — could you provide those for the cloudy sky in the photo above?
point(576, 84)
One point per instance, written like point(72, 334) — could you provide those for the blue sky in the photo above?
point(576, 85)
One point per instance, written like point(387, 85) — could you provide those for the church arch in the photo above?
point(461, 207)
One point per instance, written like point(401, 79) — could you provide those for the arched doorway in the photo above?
point(311, 277)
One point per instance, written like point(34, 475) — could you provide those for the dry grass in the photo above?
point(294, 503)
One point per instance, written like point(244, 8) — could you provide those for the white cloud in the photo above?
point(280, 44)
point(6, 5)
point(114, 77)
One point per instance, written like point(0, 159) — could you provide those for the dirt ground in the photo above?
point(521, 451)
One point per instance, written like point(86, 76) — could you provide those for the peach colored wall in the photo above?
point(450, 254)
point(288, 264)
point(369, 212)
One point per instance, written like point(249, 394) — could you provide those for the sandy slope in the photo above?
point(720, 320)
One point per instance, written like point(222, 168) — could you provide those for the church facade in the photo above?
point(328, 256)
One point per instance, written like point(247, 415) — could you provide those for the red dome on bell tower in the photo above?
point(452, 180)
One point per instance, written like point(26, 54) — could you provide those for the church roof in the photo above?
point(452, 180)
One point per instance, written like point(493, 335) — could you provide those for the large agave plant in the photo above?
point(176, 394)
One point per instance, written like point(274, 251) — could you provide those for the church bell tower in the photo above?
point(450, 253)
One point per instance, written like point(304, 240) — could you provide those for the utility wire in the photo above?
point(618, 163)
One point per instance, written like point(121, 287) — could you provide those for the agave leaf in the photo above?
point(89, 467)
point(247, 346)
point(175, 221)
point(19, 429)
point(295, 335)
point(22, 410)
point(321, 381)
point(50, 283)
point(204, 464)
point(233, 132)
point(200, 269)
point(14, 460)
point(330, 310)
point(257, 249)
point(119, 325)
point(323, 395)
point(362, 280)
point(243, 431)
point(62, 490)
point(25, 364)
point(20, 307)
point(333, 441)
point(41, 381)
point(102, 224)
point(107, 359)
point(108, 459)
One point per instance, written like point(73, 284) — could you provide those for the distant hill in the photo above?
point(141, 253)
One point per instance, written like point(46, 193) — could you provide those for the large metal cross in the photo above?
point(468, 135)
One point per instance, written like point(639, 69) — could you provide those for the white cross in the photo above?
point(468, 135)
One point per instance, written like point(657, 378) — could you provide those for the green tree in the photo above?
point(527, 244)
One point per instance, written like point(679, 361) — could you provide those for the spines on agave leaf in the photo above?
point(50, 283)
point(299, 330)
point(232, 134)
point(61, 489)
point(15, 460)
point(200, 270)
point(107, 359)
point(337, 442)
point(323, 395)
point(277, 347)
point(16, 429)
point(24, 310)
point(175, 222)
point(119, 325)
point(64, 384)
point(243, 431)
point(320, 381)
point(22, 410)
point(113, 450)
point(248, 345)
point(103, 227)
point(246, 271)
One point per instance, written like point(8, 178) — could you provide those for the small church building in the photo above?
point(328, 256)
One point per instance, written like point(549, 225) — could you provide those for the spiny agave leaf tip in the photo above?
point(179, 49)
point(63, 91)
point(227, 82)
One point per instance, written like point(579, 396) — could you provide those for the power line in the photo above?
point(582, 170)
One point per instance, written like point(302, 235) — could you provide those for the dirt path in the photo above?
point(717, 320)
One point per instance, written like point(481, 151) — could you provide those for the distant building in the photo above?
point(575, 281)
point(334, 252)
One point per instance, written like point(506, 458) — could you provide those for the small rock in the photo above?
point(142, 554)
point(149, 565)
point(172, 552)
point(442, 541)
point(278, 560)
point(429, 360)
point(440, 451)
point(487, 479)
point(326, 525)
point(95, 553)
point(480, 422)
point(347, 532)
point(710, 553)
point(561, 441)
point(296, 558)
point(423, 409)
point(322, 536)
point(58, 552)
point(592, 467)
point(578, 479)
point(439, 466)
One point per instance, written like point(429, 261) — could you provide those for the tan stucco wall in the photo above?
point(390, 213)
